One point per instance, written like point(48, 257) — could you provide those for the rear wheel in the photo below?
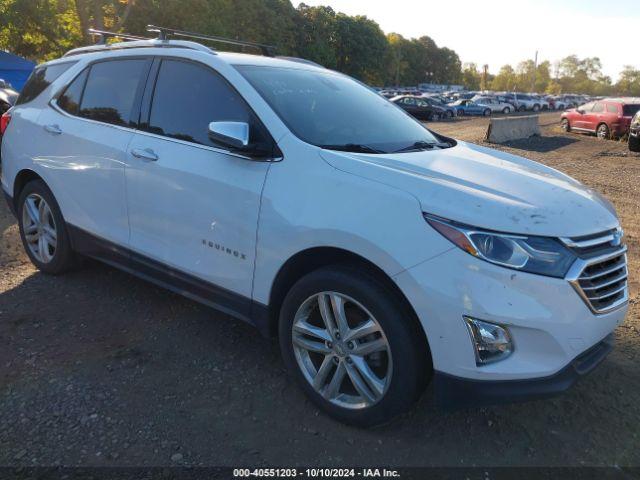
point(449, 114)
point(634, 143)
point(506, 110)
point(486, 112)
point(603, 131)
point(460, 113)
point(536, 107)
point(522, 108)
point(42, 229)
point(353, 346)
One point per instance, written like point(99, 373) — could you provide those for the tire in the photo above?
point(461, 113)
point(564, 124)
point(402, 365)
point(522, 108)
point(506, 110)
point(602, 132)
point(48, 247)
point(449, 114)
point(536, 107)
point(487, 112)
point(634, 143)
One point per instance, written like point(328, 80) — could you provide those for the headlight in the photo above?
point(540, 255)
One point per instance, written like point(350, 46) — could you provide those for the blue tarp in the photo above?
point(15, 69)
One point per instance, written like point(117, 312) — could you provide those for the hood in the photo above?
point(487, 188)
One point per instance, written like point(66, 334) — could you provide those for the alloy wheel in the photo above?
point(39, 227)
point(603, 131)
point(342, 350)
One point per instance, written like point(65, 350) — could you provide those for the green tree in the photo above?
point(470, 76)
point(629, 82)
point(38, 29)
point(505, 80)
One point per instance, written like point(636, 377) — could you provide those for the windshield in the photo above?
point(331, 110)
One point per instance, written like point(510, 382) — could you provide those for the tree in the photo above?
point(629, 82)
point(38, 29)
point(470, 76)
point(505, 80)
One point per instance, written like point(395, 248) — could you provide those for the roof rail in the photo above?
point(105, 35)
point(164, 33)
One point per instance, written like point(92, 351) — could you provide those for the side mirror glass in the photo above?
point(231, 134)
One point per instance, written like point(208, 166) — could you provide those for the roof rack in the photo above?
point(105, 35)
point(164, 33)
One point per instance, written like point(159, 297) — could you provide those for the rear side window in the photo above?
point(69, 101)
point(188, 97)
point(111, 89)
point(598, 107)
point(611, 108)
point(40, 79)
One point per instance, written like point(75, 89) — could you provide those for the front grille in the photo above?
point(600, 273)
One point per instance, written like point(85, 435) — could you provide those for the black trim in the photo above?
point(12, 206)
point(231, 303)
point(455, 392)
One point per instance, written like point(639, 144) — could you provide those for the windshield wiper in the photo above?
point(422, 145)
point(352, 147)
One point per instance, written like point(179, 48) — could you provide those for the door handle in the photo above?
point(53, 129)
point(145, 154)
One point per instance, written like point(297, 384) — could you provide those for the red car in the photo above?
point(606, 118)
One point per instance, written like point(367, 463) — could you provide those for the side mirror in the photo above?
point(231, 134)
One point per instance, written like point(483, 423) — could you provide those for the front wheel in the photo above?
point(634, 143)
point(564, 125)
point(506, 110)
point(352, 345)
point(536, 107)
point(486, 112)
point(42, 229)
point(522, 108)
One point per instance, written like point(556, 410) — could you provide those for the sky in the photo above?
point(497, 32)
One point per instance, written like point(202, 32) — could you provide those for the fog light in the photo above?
point(491, 342)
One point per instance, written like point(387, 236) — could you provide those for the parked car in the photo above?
point(634, 133)
point(382, 255)
point(557, 102)
point(445, 110)
point(419, 107)
point(469, 107)
point(494, 104)
point(605, 118)
point(526, 102)
point(8, 96)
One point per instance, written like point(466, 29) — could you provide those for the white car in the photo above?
point(494, 104)
point(382, 255)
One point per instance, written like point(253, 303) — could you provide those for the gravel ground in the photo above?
point(98, 368)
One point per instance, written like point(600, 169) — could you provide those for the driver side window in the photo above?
point(189, 96)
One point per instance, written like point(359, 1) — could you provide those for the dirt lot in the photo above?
point(99, 368)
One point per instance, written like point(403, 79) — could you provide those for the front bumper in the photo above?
point(549, 323)
point(456, 392)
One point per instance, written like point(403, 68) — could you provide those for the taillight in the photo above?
point(4, 121)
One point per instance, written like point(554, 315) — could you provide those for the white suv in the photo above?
point(382, 254)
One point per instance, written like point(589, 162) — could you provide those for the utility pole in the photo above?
point(535, 71)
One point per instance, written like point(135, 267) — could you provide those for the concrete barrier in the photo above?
point(512, 128)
